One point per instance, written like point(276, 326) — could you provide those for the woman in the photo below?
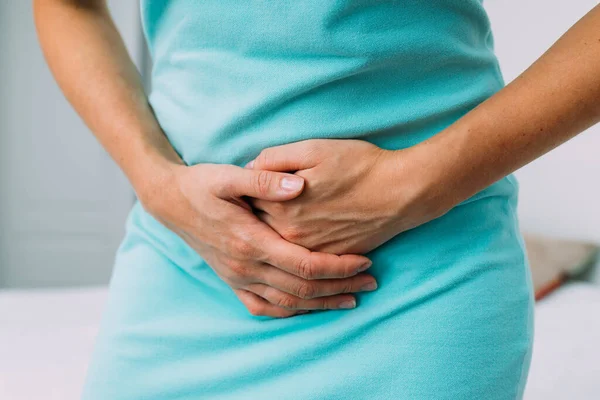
point(254, 206)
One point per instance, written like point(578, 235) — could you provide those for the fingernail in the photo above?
point(369, 287)
point(365, 266)
point(249, 165)
point(347, 304)
point(291, 184)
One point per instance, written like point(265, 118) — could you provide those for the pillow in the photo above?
point(553, 261)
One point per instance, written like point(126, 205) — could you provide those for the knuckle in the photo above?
point(347, 287)
point(306, 290)
point(262, 181)
point(286, 301)
point(243, 248)
point(237, 270)
point(305, 268)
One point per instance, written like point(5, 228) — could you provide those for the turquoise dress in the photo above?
point(452, 318)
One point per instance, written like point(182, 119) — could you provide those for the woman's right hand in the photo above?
point(204, 205)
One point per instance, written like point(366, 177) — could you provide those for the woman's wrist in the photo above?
point(152, 168)
point(457, 163)
point(423, 185)
point(158, 186)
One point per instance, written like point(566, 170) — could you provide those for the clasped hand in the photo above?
point(287, 232)
point(204, 204)
point(356, 195)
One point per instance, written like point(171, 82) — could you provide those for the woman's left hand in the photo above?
point(357, 196)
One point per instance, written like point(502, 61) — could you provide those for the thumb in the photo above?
point(287, 157)
point(265, 185)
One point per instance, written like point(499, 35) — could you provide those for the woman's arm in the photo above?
point(92, 67)
point(358, 196)
point(89, 60)
point(555, 99)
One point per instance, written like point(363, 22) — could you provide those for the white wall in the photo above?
point(62, 200)
point(560, 192)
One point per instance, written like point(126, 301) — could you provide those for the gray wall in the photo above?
point(62, 200)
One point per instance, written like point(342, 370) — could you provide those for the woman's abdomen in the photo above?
point(451, 319)
point(208, 118)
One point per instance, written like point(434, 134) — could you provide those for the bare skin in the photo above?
point(202, 203)
point(358, 196)
point(557, 98)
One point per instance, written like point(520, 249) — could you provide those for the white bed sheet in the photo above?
point(46, 338)
point(566, 350)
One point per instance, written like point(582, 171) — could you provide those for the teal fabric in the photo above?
point(452, 318)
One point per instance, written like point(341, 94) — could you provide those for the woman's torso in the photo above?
point(233, 77)
point(451, 318)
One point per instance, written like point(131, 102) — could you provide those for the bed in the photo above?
point(46, 337)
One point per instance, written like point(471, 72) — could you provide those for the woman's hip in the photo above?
point(452, 318)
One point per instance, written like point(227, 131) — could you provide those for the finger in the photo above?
point(307, 264)
point(267, 185)
point(260, 307)
point(305, 289)
point(289, 302)
point(287, 157)
point(265, 218)
point(262, 207)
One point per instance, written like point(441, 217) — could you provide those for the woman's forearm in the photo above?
point(91, 65)
point(551, 102)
